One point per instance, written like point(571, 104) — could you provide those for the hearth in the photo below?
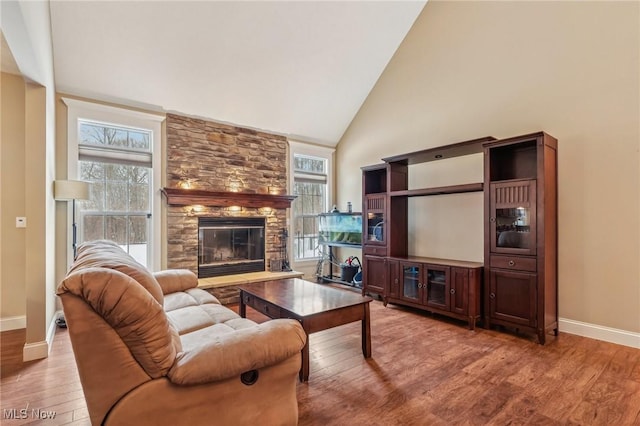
point(230, 245)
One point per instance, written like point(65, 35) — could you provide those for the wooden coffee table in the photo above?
point(317, 307)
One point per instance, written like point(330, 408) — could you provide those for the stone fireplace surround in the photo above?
point(208, 156)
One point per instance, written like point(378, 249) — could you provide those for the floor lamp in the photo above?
point(65, 190)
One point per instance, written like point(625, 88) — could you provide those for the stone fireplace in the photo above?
point(221, 171)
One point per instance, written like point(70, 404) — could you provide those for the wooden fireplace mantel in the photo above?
point(187, 197)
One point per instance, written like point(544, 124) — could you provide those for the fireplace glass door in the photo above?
point(230, 246)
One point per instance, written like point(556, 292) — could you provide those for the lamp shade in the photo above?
point(70, 190)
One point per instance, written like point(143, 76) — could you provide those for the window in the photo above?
point(119, 206)
point(311, 184)
point(114, 150)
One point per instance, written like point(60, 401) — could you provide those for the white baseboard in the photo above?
point(13, 323)
point(39, 350)
point(51, 333)
point(33, 351)
point(599, 332)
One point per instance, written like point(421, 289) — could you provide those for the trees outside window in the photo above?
point(118, 208)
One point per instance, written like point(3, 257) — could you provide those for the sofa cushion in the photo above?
point(107, 254)
point(131, 311)
point(191, 318)
point(191, 297)
point(174, 280)
point(230, 349)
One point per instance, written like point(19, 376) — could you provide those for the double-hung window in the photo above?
point(117, 151)
point(311, 171)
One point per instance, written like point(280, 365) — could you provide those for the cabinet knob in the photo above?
point(419, 285)
point(396, 281)
point(512, 263)
point(492, 219)
point(452, 291)
point(492, 296)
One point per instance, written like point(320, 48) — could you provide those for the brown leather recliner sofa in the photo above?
point(154, 349)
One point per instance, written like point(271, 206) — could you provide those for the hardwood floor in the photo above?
point(11, 345)
point(424, 371)
point(51, 384)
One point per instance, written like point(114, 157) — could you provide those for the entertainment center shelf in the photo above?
point(438, 261)
point(441, 190)
point(459, 149)
point(517, 284)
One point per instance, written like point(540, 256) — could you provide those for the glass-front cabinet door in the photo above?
point(437, 286)
point(375, 227)
point(411, 286)
point(374, 221)
point(512, 220)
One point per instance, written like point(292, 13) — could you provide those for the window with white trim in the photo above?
point(117, 162)
point(114, 149)
point(311, 167)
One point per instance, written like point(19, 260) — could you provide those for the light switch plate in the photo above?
point(21, 222)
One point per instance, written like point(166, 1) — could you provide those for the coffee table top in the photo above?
point(303, 298)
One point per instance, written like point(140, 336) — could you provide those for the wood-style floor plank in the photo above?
point(11, 344)
point(425, 369)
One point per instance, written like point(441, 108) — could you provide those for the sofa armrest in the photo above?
point(174, 280)
point(231, 354)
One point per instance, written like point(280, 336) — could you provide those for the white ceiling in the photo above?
point(302, 69)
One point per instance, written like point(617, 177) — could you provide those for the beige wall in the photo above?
point(27, 283)
point(471, 69)
point(12, 197)
point(38, 185)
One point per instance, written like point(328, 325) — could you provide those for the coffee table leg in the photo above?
point(366, 333)
point(243, 307)
point(304, 370)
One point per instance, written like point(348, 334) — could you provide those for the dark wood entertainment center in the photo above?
point(517, 285)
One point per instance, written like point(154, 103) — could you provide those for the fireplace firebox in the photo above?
point(228, 246)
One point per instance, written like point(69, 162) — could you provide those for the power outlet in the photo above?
point(21, 222)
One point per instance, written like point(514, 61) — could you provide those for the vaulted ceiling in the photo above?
point(302, 69)
point(7, 61)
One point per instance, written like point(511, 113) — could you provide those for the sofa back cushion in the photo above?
point(131, 311)
point(107, 254)
point(129, 299)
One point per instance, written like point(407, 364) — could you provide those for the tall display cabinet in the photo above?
point(382, 237)
point(520, 244)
